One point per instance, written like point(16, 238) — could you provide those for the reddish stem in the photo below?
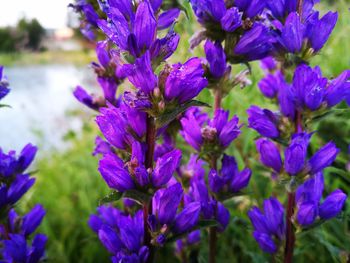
point(290, 235)
point(213, 164)
point(147, 208)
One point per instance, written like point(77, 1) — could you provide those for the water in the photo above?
point(40, 98)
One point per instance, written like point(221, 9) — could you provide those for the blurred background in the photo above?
point(45, 57)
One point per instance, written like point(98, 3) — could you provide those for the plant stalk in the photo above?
point(213, 165)
point(147, 208)
point(290, 235)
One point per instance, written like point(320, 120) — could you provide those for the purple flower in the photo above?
point(113, 172)
point(32, 220)
point(309, 87)
point(141, 75)
point(332, 205)
point(187, 218)
point(268, 64)
point(166, 202)
point(116, 122)
point(323, 158)
point(193, 169)
point(121, 234)
point(231, 20)
point(255, 44)
point(307, 213)
point(271, 84)
point(82, 96)
point(250, 8)
point(165, 167)
point(338, 89)
point(229, 175)
point(219, 130)
point(222, 216)
point(101, 147)
point(268, 224)
point(17, 250)
point(295, 153)
point(167, 18)
point(269, 154)
point(185, 81)
point(321, 29)
point(145, 25)
point(265, 242)
point(263, 121)
point(216, 58)
point(293, 33)
point(18, 188)
point(3, 84)
point(208, 11)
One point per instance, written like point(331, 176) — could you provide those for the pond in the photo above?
point(40, 98)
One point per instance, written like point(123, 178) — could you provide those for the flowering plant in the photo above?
point(166, 199)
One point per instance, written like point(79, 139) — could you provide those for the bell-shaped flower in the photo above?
point(295, 153)
point(216, 57)
point(231, 20)
point(255, 44)
point(16, 248)
point(323, 158)
point(263, 121)
point(269, 154)
point(268, 224)
point(333, 204)
point(185, 81)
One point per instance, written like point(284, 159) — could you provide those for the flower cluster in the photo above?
point(14, 183)
point(140, 162)
point(302, 93)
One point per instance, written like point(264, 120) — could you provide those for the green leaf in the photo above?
point(169, 116)
point(200, 225)
point(111, 197)
point(138, 196)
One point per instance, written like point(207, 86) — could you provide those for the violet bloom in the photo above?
point(309, 90)
point(12, 169)
point(16, 249)
point(217, 59)
point(27, 224)
point(255, 44)
point(210, 208)
point(271, 84)
point(323, 158)
point(295, 153)
point(312, 30)
point(194, 169)
point(219, 131)
point(308, 197)
point(269, 154)
point(185, 81)
point(3, 84)
point(191, 239)
point(115, 124)
point(122, 235)
point(165, 211)
point(123, 177)
point(229, 179)
point(268, 224)
point(263, 121)
point(135, 32)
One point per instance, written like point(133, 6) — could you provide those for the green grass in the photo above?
point(69, 185)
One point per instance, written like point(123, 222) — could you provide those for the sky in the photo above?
point(50, 13)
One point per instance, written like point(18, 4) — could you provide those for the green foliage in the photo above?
point(32, 32)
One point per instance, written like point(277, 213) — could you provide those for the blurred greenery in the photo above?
point(69, 186)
